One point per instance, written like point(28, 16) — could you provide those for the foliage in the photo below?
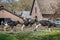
point(18, 6)
point(31, 36)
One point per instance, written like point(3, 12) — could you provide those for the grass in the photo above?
point(38, 35)
point(54, 35)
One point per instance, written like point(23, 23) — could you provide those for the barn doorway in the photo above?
point(1, 20)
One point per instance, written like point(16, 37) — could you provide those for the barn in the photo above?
point(6, 15)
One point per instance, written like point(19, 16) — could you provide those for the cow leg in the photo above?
point(49, 27)
point(6, 25)
point(12, 29)
point(36, 27)
point(5, 28)
point(22, 28)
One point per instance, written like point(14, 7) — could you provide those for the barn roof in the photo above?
point(7, 14)
point(2, 8)
point(45, 5)
point(24, 14)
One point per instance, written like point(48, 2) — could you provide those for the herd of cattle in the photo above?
point(30, 22)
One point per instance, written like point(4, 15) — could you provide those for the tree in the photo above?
point(25, 4)
point(20, 5)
